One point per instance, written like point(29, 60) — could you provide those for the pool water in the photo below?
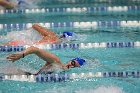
point(107, 59)
point(125, 59)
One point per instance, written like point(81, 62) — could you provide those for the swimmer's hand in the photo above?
point(14, 57)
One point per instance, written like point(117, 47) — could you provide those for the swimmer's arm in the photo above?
point(46, 56)
point(43, 31)
point(6, 4)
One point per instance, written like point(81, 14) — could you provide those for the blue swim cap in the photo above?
point(80, 61)
point(66, 34)
point(21, 2)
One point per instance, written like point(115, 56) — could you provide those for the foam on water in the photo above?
point(82, 37)
point(102, 89)
point(10, 68)
point(28, 36)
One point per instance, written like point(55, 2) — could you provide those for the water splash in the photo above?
point(22, 37)
point(10, 68)
point(102, 89)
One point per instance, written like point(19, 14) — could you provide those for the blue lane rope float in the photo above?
point(92, 24)
point(11, 48)
point(74, 10)
point(73, 46)
point(65, 77)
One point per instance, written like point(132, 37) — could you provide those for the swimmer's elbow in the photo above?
point(34, 26)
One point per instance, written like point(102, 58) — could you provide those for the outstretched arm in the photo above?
point(43, 31)
point(48, 35)
point(46, 56)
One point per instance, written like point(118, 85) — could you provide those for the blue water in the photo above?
point(109, 59)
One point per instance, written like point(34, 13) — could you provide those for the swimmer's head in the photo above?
point(76, 62)
point(66, 34)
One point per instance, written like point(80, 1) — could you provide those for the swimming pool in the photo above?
point(106, 26)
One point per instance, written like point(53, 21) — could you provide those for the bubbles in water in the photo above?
point(92, 63)
point(22, 37)
point(10, 68)
point(53, 90)
point(102, 89)
point(82, 37)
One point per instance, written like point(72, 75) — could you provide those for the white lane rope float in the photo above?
point(88, 24)
point(73, 76)
point(73, 10)
point(73, 46)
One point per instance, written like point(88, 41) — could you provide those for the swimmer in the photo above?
point(52, 61)
point(47, 36)
point(69, 36)
point(16, 4)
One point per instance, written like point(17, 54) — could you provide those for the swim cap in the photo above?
point(80, 61)
point(21, 2)
point(67, 34)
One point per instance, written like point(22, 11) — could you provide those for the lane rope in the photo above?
point(74, 10)
point(65, 77)
point(73, 46)
point(92, 24)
